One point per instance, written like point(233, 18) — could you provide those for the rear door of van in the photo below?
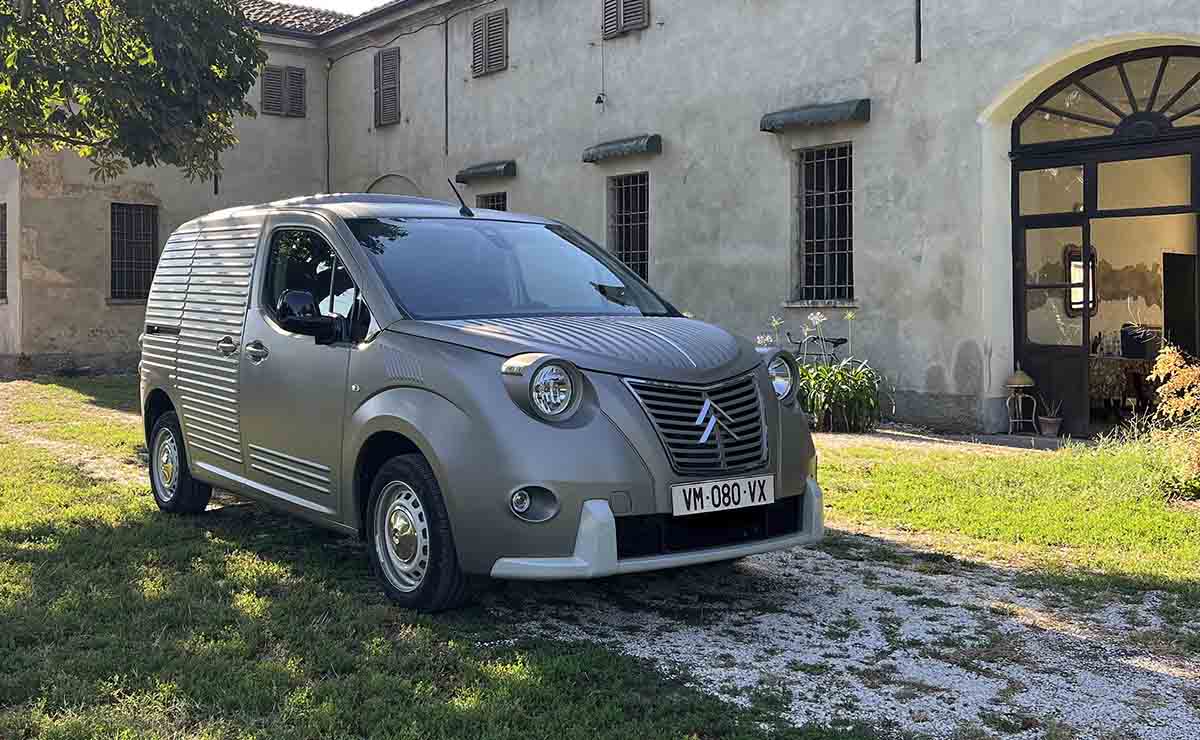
point(210, 339)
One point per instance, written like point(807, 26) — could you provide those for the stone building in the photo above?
point(980, 184)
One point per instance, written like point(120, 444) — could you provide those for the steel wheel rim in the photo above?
point(402, 536)
point(165, 464)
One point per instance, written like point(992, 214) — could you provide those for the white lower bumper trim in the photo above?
point(595, 553)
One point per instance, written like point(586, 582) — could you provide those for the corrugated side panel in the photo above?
point(295, 470)
point(164, 307)
point(215, 307)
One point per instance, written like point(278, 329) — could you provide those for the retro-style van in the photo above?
point(475, 393)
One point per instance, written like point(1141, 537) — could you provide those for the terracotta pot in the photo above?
point(1050, 425)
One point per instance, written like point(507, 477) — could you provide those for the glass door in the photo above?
point(1056, 269)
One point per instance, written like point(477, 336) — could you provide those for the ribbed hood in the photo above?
point(664, 348)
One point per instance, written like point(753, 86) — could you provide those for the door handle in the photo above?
point(227, 345)
point(257, 351)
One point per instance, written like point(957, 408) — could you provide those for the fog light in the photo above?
point(533, 504)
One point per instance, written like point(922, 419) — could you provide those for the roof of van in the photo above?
point(363, 205)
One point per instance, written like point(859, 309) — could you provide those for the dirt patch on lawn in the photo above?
point(100, 465)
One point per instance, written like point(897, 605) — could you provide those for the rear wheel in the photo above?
point(408, 531)
point(175, 490)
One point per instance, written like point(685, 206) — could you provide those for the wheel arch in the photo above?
point(381, 446)
point(407, 420)
point(157, 403)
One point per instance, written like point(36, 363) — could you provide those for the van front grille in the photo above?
point(707, 429)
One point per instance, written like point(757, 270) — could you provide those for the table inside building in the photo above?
point(1112, 378)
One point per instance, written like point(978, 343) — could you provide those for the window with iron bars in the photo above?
point(492, 201)
point(825, 201)
point(629, 221)
point(3, 251)
point(134, 250)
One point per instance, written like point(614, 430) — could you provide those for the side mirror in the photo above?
point(297, 312)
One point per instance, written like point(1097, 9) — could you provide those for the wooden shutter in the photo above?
point(479, 46)
point(387, 87)
point(273, 91)
point(296, 92)
point(635, 14)
point(489, 43)
point(377, 91)
point(497, 41)
point(612, 18)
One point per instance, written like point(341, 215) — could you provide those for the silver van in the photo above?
point(475, 393)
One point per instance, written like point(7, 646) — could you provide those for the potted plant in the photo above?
point(1050, 422)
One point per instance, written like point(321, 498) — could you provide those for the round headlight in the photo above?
point(552, 391)
point(782, 377)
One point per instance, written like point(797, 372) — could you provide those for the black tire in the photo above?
point(187, 495)
point(418, 571)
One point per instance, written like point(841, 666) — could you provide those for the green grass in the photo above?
point(78, 411)
point(1100, 515)
point(119, 621)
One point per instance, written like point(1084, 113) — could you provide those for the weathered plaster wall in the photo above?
point(65, 246)
point(10, 316)
point(932, 239)
point(934, 309)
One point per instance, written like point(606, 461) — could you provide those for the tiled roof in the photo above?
point(269, 15)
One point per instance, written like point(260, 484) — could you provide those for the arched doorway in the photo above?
point(1106, 174)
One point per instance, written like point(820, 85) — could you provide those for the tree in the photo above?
point(125, 82)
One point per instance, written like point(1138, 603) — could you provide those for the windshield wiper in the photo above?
point(613, 293)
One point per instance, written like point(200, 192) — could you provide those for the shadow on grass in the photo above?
point(1080, 585)
point(116, 392)
point(241, 623)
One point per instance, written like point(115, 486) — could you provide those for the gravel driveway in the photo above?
point(863, 629)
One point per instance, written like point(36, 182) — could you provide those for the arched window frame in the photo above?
point(1135, 127)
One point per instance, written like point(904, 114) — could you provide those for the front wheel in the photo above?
point(410, 546)
point(174, 488)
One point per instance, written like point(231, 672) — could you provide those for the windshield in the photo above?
point(463, 268)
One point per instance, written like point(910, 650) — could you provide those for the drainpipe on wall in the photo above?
point(328, 134)
point(446, 88)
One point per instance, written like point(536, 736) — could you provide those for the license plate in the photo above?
point(722, 495)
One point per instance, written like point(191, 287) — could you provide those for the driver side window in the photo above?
point(301, 260)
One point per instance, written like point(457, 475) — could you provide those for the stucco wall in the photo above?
point(934, 310)
point(932, 231)
point(10, 317)
point(65, 248)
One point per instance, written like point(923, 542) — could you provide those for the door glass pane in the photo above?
point(1180, 72)
point(1042, 126)
point(1142, 74)
point(299, 260)
point(1107, 84)
point(1146, 183)
point(344, 292)
point(1074, 99)
point(1045, 252)
point(1056, 190)
point(1130, 271)
point(1047, 321)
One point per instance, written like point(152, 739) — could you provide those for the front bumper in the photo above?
point(595, 554)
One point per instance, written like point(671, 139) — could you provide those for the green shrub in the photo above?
point(841, 398)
